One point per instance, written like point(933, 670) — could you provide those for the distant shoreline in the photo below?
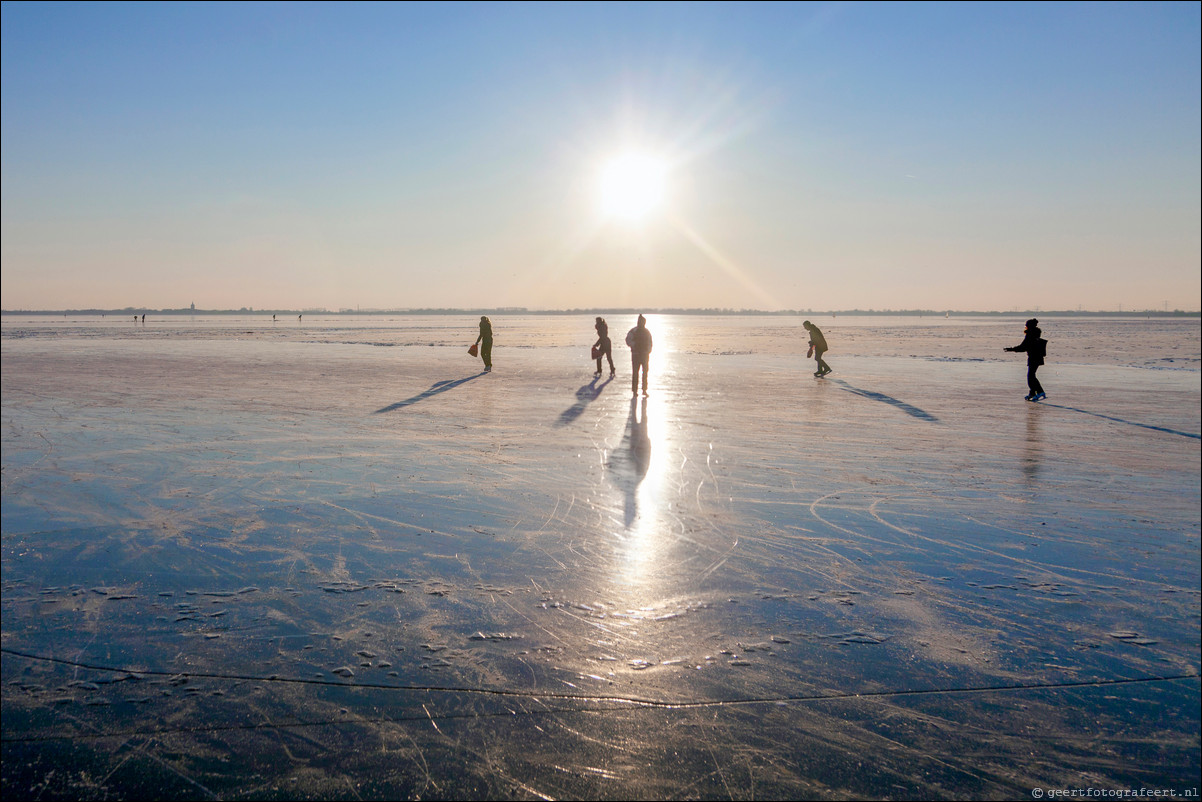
point(1049, 313)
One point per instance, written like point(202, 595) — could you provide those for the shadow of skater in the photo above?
point(909, 409)
point(630, 460)
point(1150, 426)
point(584, 396)
point(435, 389)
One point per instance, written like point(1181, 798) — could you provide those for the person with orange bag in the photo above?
point(603, 347)
point(485, 342)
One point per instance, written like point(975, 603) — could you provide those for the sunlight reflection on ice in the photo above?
point(397, 568)
point(640, 465)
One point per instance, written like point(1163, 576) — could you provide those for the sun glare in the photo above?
point(632, 186)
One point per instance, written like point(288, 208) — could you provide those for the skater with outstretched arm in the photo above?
point(818, 347)
point(1036, 348)
point(639, 340)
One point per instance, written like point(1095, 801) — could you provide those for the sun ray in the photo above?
point(727, 265)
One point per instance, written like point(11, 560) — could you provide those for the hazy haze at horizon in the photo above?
point(822, 156)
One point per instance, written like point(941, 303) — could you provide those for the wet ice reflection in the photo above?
point(250, 541)
point(638, 466)
point(1033, 452)
point(639, 476)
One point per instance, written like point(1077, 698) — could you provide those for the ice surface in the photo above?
point(332, 558)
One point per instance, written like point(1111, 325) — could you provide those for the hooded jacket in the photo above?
point(639, 339)
point(1034, 346)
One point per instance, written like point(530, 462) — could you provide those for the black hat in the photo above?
point(1032, 323)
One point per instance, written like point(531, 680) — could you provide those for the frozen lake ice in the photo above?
point(329, 557)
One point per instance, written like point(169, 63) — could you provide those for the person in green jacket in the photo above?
point(818, 347)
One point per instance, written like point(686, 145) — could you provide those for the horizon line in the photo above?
point(518, 310)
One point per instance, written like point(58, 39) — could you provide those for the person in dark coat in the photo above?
point(1036, 348)
point(818, 347)
point(604, 346)
point(485, 341)
point(639, 340)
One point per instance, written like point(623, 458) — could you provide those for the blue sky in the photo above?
point(825, 156)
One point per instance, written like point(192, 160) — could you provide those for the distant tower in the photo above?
point(194, 306)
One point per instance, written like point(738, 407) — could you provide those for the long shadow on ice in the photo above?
point(909, 409)
point(629, 462)
point(1164, 429)
point(435, 389)
point(584, 396)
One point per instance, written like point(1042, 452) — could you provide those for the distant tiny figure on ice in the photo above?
point(603, 347)
point(818, 347)
point(485, 342)
point(639, 340)
point(1036, 348)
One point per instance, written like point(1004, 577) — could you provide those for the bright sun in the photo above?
point(632, 186)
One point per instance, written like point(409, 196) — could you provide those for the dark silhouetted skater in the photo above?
point(1036, 348)
point(604, 347)
point(818, 347)
point(485, 341)
point(639, 340)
